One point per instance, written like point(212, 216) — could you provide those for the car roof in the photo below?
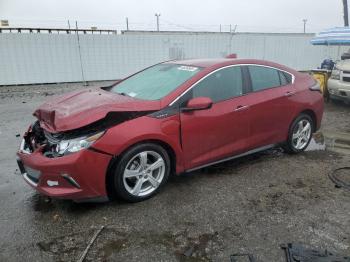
point(209, 62)
point(220, 62)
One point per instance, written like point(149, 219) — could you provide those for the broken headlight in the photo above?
point(66, 147)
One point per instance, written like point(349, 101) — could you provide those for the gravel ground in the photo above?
point(336, 118)
point(252, 204)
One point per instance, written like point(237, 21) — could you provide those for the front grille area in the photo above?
point(346, 79)
point(346, 72)
point(32, 174)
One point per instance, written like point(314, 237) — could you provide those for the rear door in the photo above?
point(272, 105)
point(212, 134)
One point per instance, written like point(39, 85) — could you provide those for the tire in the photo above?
point(141, 172)
point(300, 134)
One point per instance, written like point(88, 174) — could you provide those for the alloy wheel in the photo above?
point(301, 134)
point(144, 173)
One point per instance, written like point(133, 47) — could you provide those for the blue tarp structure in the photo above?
point(334, 36)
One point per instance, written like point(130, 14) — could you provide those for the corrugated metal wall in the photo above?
point(28, 58)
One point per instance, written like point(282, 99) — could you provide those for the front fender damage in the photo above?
point(37, 137)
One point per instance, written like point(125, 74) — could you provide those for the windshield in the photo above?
point(155, 82)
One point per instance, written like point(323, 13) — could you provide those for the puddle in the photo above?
point(181, 245)
point(114, 246)
point(317, 143)
point(336, 142)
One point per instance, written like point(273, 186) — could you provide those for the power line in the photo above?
point(166, 25)
point(178, 25)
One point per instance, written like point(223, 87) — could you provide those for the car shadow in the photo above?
point(43, 204)
point(227, 167)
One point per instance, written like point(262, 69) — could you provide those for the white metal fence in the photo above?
point(27, 58)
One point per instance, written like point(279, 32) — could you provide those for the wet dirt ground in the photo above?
point(252, 204)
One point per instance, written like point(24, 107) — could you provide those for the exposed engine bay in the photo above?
point(50, 143)
point(54, 144)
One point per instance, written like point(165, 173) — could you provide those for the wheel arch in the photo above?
point(313, 116)
point(115, 160)
point(308, 112)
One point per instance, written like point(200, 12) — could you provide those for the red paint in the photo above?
point(86, 167)
point(196, 137)
point(209, 135)
point(84, 107)
point(199, 103)
point(234, 56)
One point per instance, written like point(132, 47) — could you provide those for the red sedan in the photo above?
point(126, 139)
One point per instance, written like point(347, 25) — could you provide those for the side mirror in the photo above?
point(198, 103)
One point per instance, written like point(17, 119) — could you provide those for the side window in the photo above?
point(221, 85)
point(264, 77)
point(288, 77)
point(283, 78)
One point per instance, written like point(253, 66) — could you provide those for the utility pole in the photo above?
point(220, 28)
point(304, 21)
point(157, 15)
point(346, 13)
point(235, 29)
point(80, 58)
point(127, 24)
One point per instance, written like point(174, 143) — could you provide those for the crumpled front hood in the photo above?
point(80, 108)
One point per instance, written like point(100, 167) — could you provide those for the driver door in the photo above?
point(222, 130)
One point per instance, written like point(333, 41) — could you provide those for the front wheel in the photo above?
point(141, 172)
point(300, 134)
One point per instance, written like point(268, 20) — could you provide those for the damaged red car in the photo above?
point(126, 139)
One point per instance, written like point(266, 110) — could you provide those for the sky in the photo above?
point(188, 15)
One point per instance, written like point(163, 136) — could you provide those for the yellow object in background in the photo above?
point(322, 77)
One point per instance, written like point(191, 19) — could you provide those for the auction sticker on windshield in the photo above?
point(188, 68)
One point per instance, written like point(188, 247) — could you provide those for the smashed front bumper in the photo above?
point(79, 176)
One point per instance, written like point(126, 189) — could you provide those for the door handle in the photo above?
point(241, 108)
point(289, 93)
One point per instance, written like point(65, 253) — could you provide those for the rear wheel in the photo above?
point(141, 172)
point(300, 134)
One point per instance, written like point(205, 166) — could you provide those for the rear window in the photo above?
point(264, 77)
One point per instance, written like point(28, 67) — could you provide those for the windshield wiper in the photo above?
point(124, 94)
